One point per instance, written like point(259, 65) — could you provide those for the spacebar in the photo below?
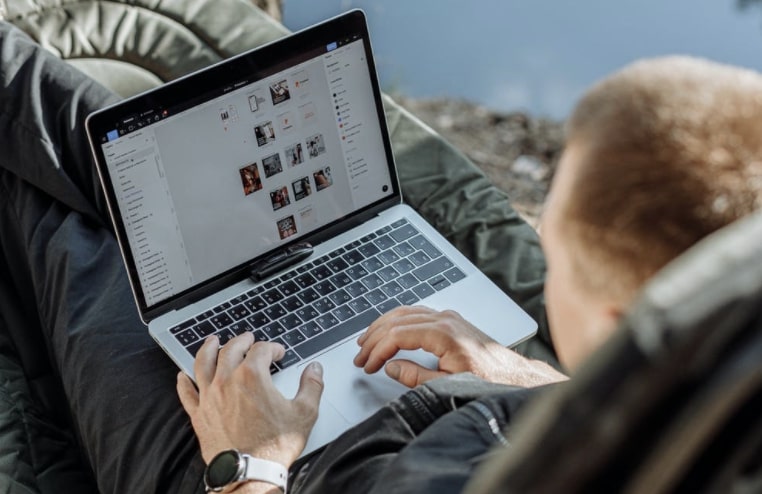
point(337, 333)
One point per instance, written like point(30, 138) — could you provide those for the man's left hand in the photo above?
point(237, 405)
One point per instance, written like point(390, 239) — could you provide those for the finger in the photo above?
point(409, 373)
point(311, 387)
point(233, 353)
point(187, 393)
point(396, 320)
point(261, 355)
point(423, 336)
point(205, 364)
point(392, 315)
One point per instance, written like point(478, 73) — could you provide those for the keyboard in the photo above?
point(318, 304)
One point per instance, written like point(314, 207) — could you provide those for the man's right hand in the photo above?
point(460, 347)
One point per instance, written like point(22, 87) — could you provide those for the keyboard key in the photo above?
point(356, 289)
point(279, 341)
point(225, 335)
point(356, 272)
point(290, 321)
point(390, 304)
point(288, 276)
point(404, 249)
point(407, 281)
point(340, 297)
point(423, 290)
point(294, 337)
point(343, 313)
point(292, 303)
point(360, 305)
point(433, 268)
point(353, 257)
point(337, 265)
point(389, 256)
point(221, 320)
point(310, 329)
point(392, 289)
point(258, 319)
point(240, 327)
point(289, 359)
point(273, 330)
point(255, 291)
point(327, 321)
point(403, 233)
point(376, 296)
point(422, 243)
point(187, 337)
point(439, 282)
point(308, 296)
point(372, 264)
point(369, 250)
point(383, 230)
point(275, 311)
point(347, 328)
point(321, 273)
point(305, 280)
point(204, 315)
point(367, 238)
point(238, 312)
point(384, 242)
point(194, 347)
point(372, 281)
point(307, 313)
point(388, 273)
point(272, 296)
point(454, 275)
point(204, 329)
point(323, 305)
point(289, 288)
point(324, 287)
point(182, 326)
point(407, 298)
point(321, 260)
point(255, 304)
point(239, 299)
point(419, 258)
point(403, 265)
point(399, 223)
point(341, 280)
point(260, 335)
point(270, 284)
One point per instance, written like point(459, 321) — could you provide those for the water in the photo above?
point(535, 55)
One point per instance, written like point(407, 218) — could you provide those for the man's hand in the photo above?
point(459, 346)
point(237, 405)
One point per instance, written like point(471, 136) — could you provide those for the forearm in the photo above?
point(256, 487)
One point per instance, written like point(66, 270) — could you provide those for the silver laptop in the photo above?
point(260, 194)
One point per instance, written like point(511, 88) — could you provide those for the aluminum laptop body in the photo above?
point(260, 194)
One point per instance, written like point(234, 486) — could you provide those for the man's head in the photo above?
point(658, 156)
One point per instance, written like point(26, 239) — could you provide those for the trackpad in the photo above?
point(353, 393)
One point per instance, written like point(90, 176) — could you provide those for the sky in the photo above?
point(535, 55)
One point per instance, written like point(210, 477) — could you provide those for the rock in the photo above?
point(517, 151)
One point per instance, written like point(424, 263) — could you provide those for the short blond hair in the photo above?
point(671, 150)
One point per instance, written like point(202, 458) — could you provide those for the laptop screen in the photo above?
point(206, 185)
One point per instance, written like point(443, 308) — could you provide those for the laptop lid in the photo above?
point(208, 174)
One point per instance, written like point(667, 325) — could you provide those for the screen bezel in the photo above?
point(208, 83)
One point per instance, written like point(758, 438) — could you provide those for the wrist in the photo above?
point(230, 471)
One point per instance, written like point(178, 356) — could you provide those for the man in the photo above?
point(658, 156)
point(56, 242)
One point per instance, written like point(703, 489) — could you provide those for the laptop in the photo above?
point(260, 194)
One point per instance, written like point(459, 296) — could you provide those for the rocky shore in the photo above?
point(517, 151)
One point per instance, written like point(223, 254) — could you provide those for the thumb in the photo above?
point(311, 385)
point(409, 373)
point(187, 393)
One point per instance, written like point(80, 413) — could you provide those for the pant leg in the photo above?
point(63, 260)
point(358, 459)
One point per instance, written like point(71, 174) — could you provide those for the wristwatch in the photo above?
point(232, 467)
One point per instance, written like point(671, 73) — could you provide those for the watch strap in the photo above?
point(265, 471)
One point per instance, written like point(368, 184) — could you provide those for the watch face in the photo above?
point(224, 469)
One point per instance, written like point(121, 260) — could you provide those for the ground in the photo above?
point(517, 151)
